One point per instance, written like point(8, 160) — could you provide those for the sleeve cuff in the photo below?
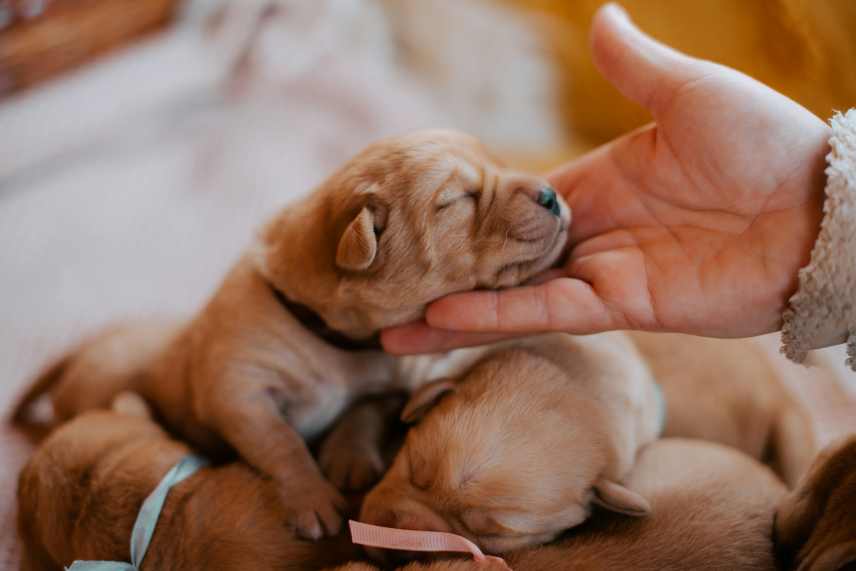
point(823, 310)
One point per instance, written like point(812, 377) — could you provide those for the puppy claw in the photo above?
point(315, 509)
point(308, 526)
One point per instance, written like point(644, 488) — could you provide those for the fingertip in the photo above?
point(604, 34)
point(399, 340)
point(640, 67)
point(610, 12)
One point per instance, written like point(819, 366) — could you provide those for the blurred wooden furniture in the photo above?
point(806, 50)
point(42, 38)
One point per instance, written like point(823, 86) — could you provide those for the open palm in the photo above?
point(696, 223)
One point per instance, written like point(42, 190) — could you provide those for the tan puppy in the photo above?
point(711, 508)
point(79, 495)
point(271, 359)
point(523, 443)
point(726, 390)
point(816, 523)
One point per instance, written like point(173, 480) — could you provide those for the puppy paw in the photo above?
point(314, 508)
point(351, 466)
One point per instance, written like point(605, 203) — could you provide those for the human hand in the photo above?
point(696, 223)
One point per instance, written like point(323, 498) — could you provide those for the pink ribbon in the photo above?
point(412, 540)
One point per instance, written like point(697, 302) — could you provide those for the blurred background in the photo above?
point(143, 141)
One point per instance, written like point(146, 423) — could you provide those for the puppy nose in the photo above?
point(547, 198)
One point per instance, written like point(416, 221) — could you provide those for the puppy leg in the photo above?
point(351, 456)
point(251, 422)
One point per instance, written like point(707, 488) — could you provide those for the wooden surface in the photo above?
point(40, 39)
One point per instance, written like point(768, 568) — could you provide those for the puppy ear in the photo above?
point(425, 398)
point(131, 404)
point(358, 245)
point(617, 498)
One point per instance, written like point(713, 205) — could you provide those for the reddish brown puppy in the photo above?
point(816, 523)
point(283, 346)
point(80, 493)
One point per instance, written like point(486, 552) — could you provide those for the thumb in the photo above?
point(640, 67)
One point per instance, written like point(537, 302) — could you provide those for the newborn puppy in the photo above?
point(523, 443)
point(711, 508)
point(816, 523)
point(80, 493)
point(289, 339)
point(726, 390)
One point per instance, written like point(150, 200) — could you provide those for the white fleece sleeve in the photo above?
point(823, 310)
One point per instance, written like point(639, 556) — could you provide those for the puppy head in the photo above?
point(504, 465)
point(407, 221)
point(815, 526)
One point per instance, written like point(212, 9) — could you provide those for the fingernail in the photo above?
point(619, 10)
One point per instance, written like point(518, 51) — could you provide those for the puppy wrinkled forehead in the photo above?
point(420, 175)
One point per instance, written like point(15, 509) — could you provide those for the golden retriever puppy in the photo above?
point(711, 508)
point(80, 493)
point(519, 447)
point(725, 390)
point(816, 523)
point(290, 337)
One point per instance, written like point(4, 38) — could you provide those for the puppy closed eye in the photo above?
point(449, 198)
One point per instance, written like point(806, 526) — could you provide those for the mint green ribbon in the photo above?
point(147, 519)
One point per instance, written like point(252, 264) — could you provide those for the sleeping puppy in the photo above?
point(290, 337)
point(726, 390)
point(79, 495)
point(816, 523)
point(711, 508)
point(523, 443)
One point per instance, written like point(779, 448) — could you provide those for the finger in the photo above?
point(546, 276)
point(563, 304)
point(419, 338)
point(643, 69)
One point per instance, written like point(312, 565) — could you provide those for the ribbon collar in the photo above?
point(413, 540)
point(147, 519)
